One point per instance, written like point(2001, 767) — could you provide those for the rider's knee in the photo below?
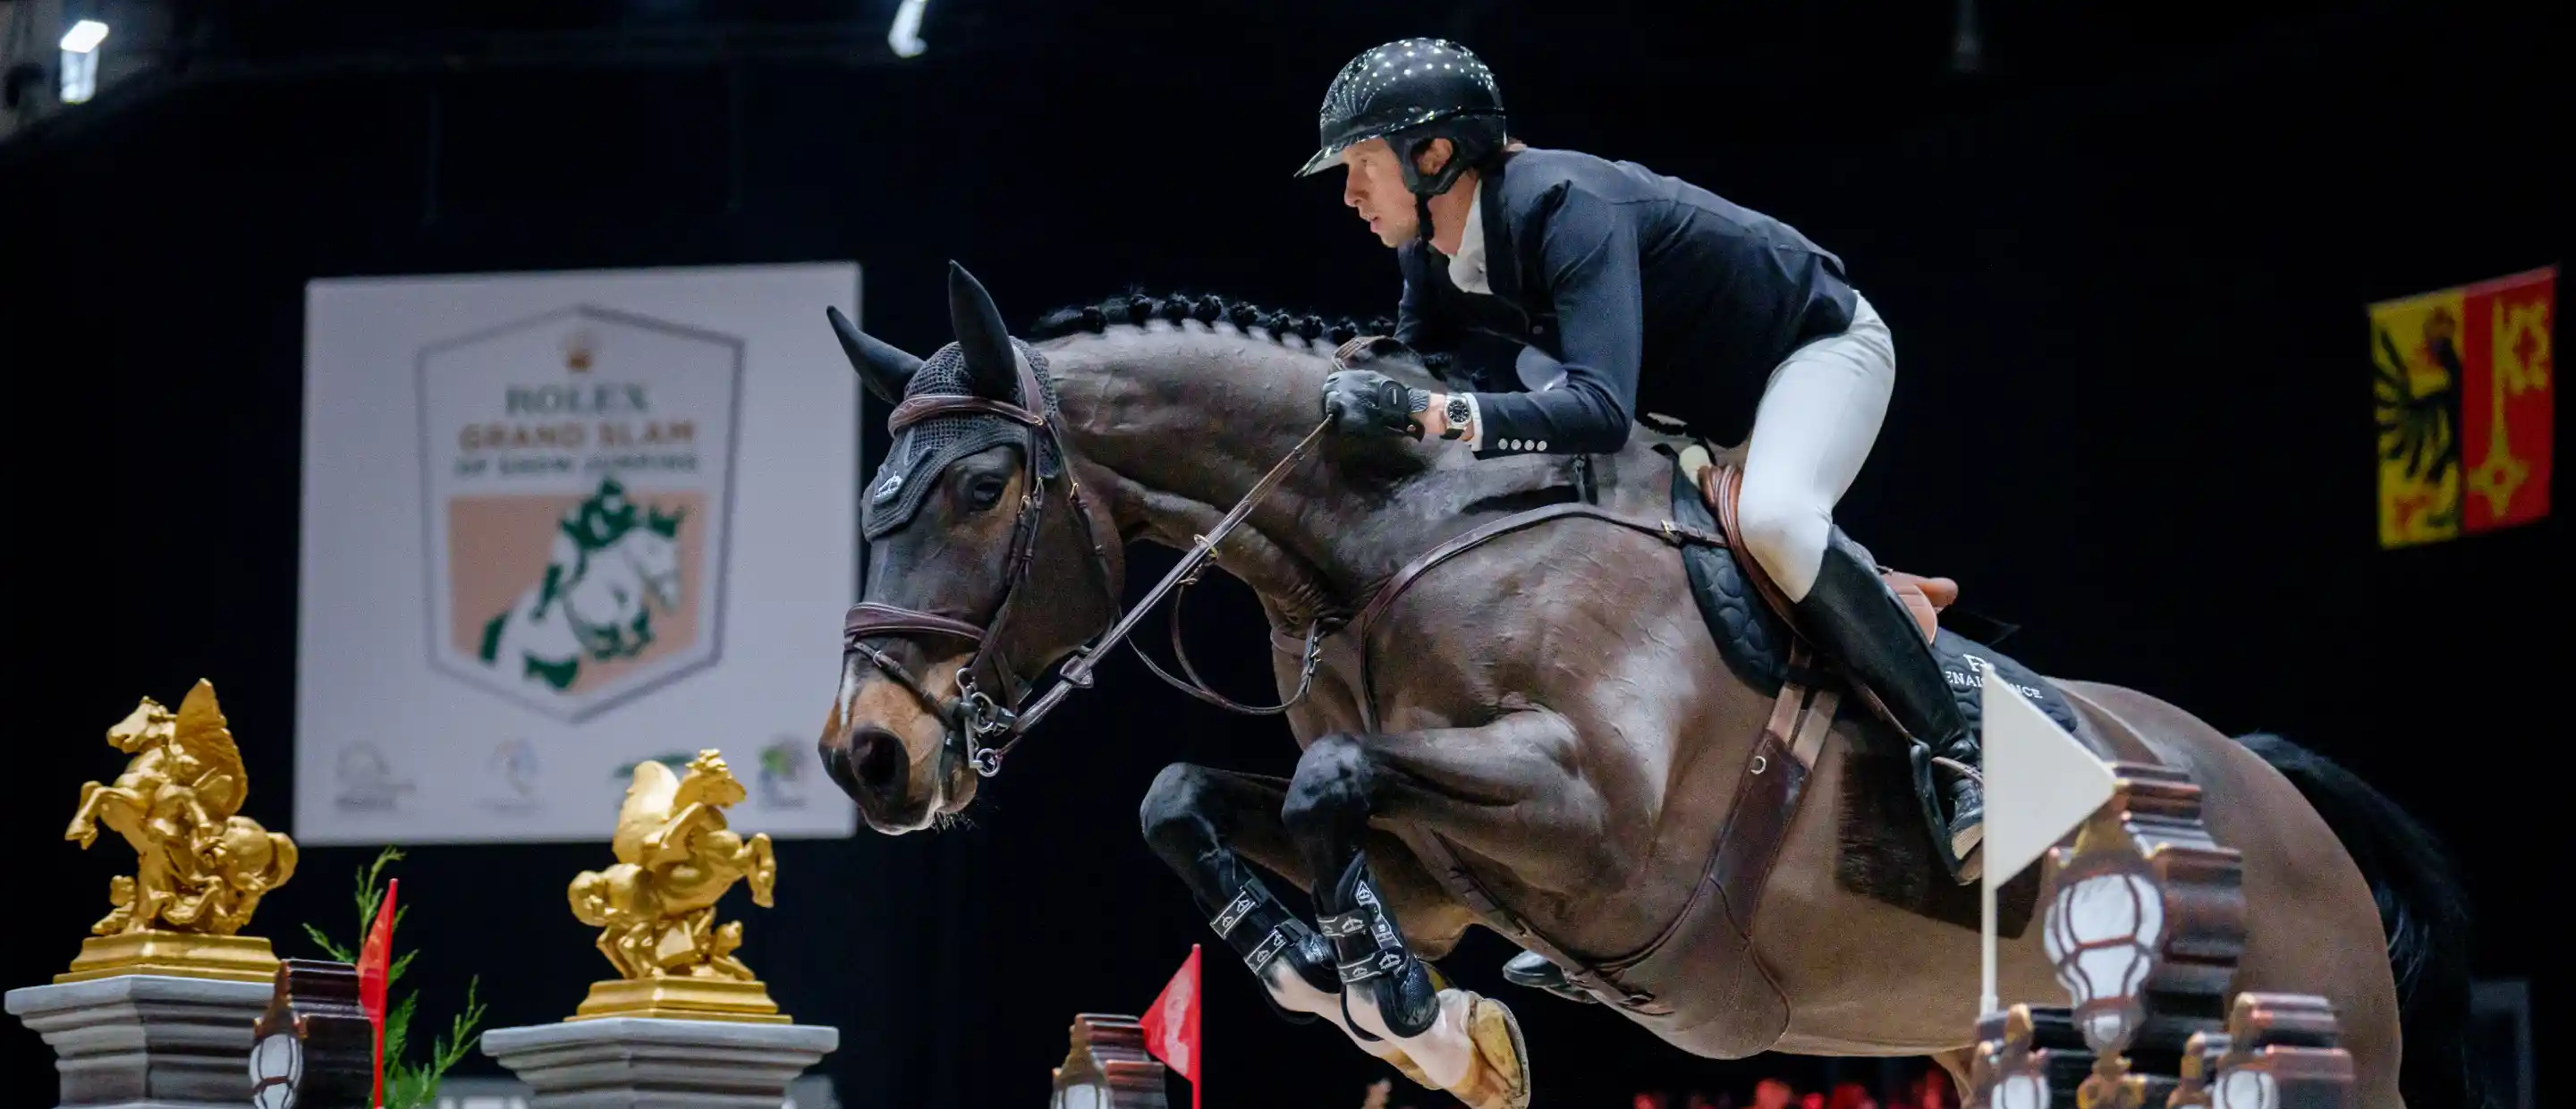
point(1172, 803)
point(1330, 787)
point(1784, 530)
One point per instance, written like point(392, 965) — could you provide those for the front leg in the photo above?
point(762, 870)
point(1213, 828)
point(1509, 791)
point(84, 826)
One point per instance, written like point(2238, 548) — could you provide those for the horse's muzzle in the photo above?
point(894, 794)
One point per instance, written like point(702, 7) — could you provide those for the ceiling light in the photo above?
point(905, 35)
point(84, 36)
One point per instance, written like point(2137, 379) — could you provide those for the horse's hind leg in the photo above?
point(1212, 827)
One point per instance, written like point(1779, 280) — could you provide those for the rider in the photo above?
point(1576, 292)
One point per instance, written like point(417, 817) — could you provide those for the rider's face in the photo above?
point(1374, 187)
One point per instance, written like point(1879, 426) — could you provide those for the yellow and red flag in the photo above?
point(2461, 377)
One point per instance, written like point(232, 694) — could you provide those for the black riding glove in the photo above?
point(1366, 402)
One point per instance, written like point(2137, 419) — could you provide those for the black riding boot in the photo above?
point(1536, 971)
point(1374, 960)
point(1856, 619)
point(1264, 932)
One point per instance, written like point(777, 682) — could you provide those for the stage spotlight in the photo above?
point(80, 60)
point(905, 35)
point(84, 36)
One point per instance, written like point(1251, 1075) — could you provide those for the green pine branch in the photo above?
point(408, 1084)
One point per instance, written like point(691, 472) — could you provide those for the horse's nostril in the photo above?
point(880, 759)
point(836, 763)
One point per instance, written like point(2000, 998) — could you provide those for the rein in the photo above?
point(975, 719)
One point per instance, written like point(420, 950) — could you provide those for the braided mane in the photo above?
point(1138, 309)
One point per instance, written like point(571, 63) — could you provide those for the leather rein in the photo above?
point(975, 718)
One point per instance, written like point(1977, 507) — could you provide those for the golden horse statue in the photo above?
point(201, 868)
point(675, 858)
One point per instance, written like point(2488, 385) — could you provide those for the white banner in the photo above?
point(558, 523)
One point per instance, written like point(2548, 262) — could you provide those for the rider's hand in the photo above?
point(1366, 403)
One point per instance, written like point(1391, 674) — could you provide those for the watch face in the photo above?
point(1458, 411)
point(276, 1068)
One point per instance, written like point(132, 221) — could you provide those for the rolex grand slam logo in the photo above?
point(578, 466)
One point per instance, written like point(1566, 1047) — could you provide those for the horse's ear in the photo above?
point(884, 369)
point(982, 338)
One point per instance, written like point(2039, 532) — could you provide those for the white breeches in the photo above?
point(1817, 419)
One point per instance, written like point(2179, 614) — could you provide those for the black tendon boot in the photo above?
point(1374, 960)
point(1264, 932)
point(1855, 618)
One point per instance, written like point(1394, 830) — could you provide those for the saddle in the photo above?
point(1721, 485)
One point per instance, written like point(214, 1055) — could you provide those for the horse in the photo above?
point(605, 573)
point(1540, 736)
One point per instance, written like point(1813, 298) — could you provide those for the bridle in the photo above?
point(974, 718)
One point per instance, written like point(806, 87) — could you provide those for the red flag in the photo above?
point(375, 960)
point(1172, 1025)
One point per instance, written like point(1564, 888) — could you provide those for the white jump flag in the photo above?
point(2040, 784)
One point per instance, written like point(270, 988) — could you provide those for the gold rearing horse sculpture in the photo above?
point(676, 858)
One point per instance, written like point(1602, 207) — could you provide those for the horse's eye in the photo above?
point(985, 492)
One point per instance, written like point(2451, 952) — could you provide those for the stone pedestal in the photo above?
point(656, 1063)
point(147, 1041)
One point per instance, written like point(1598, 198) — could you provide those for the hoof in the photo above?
point(1501, 1076)
point(1404, 1065)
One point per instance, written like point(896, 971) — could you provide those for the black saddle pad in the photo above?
point(1756, 643)
point(1884, 851)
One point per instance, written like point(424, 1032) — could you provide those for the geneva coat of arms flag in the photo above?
point(2461, 380)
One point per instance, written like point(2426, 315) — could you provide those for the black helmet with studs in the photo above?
point(1410, 92)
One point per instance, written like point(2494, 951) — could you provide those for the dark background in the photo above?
point(2126, 264)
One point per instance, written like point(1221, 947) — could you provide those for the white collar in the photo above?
point(1467, 269)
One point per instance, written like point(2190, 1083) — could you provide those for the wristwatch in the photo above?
point(1457, 413)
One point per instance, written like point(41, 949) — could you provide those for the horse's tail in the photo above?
point(2423, 911)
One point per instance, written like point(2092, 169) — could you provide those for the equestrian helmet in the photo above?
point(1410, 92)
